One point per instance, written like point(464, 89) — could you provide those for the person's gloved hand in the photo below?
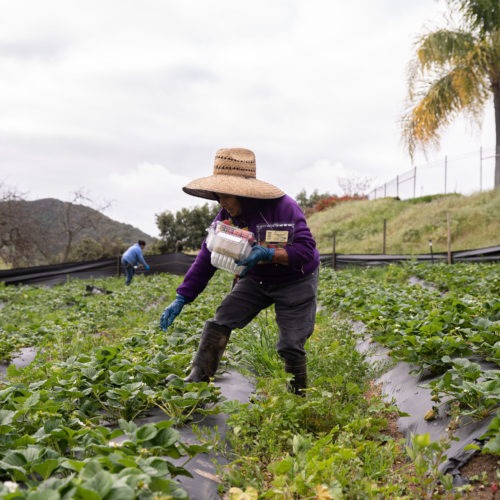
point(147, 267)
point(172, 311)
point(258, 254)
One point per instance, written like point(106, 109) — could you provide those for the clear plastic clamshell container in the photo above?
point(227, 244)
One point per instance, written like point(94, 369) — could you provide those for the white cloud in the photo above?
point(130, 100)
point(144, 192)
point(321, 176)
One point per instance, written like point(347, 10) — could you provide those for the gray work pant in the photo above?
point(294, 304)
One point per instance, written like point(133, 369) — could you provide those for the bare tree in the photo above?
point(16, 228)
point(76, 222)
point(354, 185)
point(73, 225)
point(26, 239)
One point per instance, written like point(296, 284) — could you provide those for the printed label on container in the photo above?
point(276, 236)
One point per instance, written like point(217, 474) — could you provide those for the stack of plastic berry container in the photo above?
point(228, 244)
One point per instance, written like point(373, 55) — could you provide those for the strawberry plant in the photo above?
point(68, 419)
point(476, 390)
point(436, 332)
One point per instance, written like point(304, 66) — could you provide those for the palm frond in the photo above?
point(436, 54)
point(443, 47)
point(463, 89)
point(482, 16)
point(454, 71)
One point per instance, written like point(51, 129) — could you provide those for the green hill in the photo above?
point(410, 224)
point(49, 231)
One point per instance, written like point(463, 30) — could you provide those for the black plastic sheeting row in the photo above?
point(413, 397)
point(178, 263)
point(398, 384)
point(204, 482)
point(488, 254)
point(174, 263)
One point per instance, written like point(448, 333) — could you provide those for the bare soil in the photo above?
point(482, 471)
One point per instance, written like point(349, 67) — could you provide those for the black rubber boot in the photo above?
point(298, 369)
point(213, 342)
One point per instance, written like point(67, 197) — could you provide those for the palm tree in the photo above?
point(455, 71)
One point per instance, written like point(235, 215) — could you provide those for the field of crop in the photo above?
point(68, 419)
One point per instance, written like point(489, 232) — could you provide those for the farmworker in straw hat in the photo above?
point(282, 268)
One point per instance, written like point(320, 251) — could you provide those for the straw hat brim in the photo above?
point(208, 187)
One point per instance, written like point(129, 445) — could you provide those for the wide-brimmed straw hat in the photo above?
point(234, 174)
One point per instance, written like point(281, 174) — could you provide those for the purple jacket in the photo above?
point(303, 256)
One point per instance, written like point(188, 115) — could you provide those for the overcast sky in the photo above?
point(127, 100)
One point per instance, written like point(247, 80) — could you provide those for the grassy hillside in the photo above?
point(359, 225)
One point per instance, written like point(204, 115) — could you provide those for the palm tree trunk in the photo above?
point(496, 102)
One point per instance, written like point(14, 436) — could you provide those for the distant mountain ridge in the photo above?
point(49, 230)
point(119, 229)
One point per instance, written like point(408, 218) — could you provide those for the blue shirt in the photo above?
point(133, 256)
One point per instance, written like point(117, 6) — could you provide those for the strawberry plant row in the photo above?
point(67, 419)
point(454, 335)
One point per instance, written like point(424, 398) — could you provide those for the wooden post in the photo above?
point(118, 266)
point(384, 237)
point(448, 237)
point(334, 260)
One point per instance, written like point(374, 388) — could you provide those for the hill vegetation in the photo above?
point(359, 225)
point(49, 231)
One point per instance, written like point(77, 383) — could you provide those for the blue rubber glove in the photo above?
point(258, 254)
point(172, 311)
point(147, 267)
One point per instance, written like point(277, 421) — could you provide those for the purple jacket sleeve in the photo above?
point(199, 274)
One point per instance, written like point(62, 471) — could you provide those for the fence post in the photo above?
point(118, 266)
point(385, 189)
point(334, 259)
point(448, 236)
point(385, 235)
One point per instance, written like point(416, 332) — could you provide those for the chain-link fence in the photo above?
point(466, 174)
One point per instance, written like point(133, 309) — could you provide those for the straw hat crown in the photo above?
point(236, 161)
point(234, 174)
